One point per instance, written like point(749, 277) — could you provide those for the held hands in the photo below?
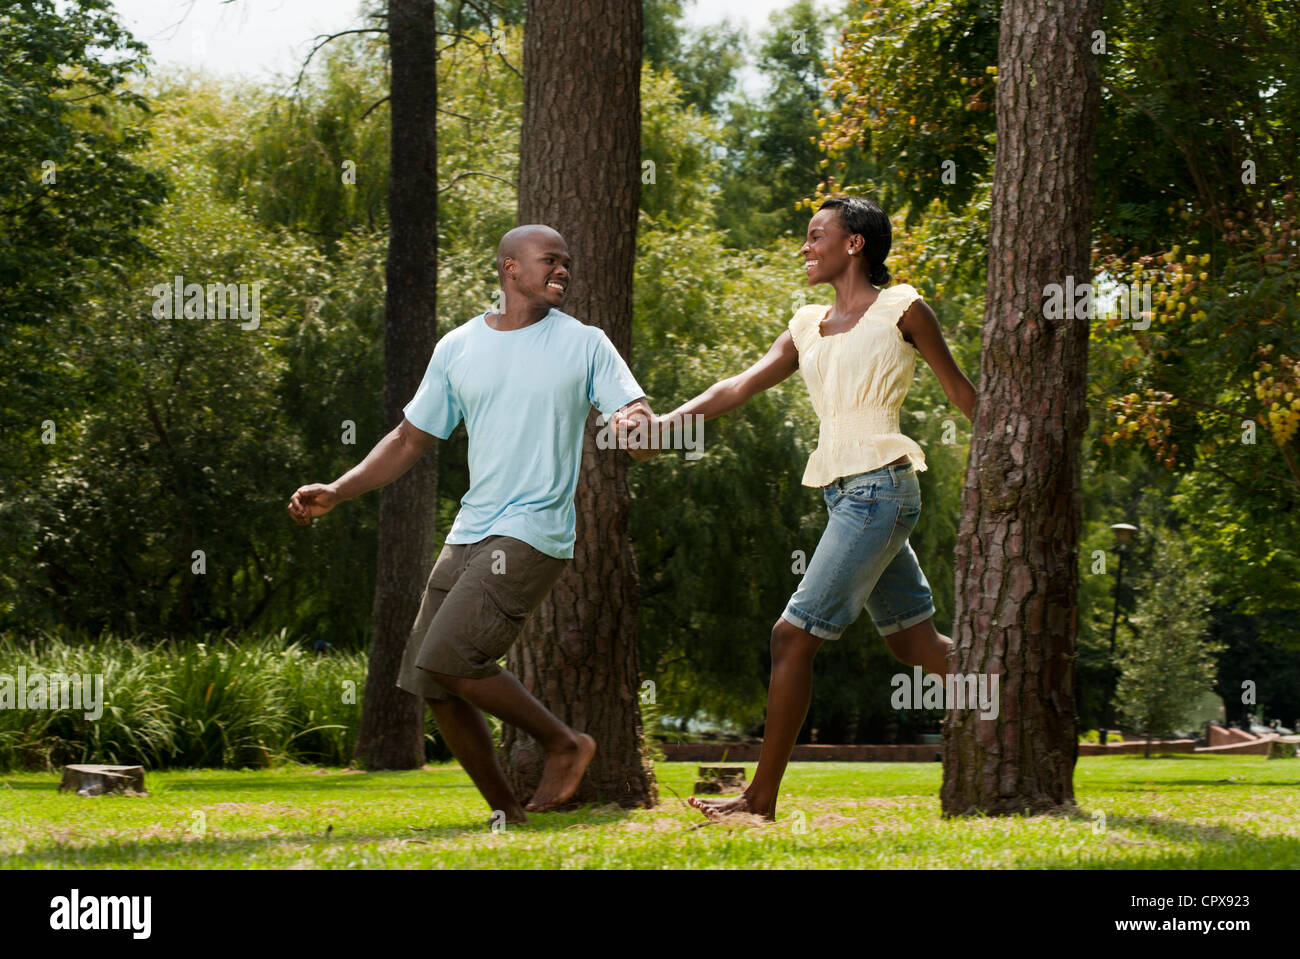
point(635, 426)
point(308, 502)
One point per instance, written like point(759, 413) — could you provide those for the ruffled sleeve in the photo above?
point(803, 325)
point(900, 298)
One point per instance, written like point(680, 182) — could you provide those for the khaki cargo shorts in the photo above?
point(474, 606)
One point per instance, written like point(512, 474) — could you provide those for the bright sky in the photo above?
point(260, 37)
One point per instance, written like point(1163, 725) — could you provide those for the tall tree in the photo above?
point(391, 735)
point(73, 201)
point(1017, 550)
point(580, 172)
point(1167, 660)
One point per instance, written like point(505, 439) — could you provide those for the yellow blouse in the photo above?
point(857, 382)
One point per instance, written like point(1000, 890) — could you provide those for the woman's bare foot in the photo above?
point(720, 808)
point(562, 774)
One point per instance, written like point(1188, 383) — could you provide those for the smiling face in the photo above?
point(537, 268)
point(826, 251)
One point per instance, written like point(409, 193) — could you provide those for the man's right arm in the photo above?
point(392, 456)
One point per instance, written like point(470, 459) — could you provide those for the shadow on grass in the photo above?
point(1217, 841)
point(172, 781)
point(1182, 757)
point(1219, 847)
point(1140, 787)
point(350, 781)
point(148, 852)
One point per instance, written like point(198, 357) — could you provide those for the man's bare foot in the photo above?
point(732, 806)
point(561, 775)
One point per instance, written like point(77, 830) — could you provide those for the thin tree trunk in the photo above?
point(391, 734)
point(1017, 549)
point(579, 172)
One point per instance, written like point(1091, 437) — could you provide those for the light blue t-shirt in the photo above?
point(524, 395)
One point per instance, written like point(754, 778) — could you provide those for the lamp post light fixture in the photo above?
point(1124, 533)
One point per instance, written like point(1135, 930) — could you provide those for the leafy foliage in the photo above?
point(260, 702)
point(1166, 661)
point(73, 195)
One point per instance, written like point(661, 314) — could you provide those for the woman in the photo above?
point(857, 358)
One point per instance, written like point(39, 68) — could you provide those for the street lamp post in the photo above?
point(1123, 534)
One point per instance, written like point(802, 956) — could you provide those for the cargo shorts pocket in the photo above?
point(509, 598)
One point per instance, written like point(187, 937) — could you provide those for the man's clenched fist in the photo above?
point(308, 502)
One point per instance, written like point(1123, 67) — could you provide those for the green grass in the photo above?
point(1186, 812)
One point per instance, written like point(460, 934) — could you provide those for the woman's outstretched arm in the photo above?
point(726, 395)
point(777, 365)
point(921, 327)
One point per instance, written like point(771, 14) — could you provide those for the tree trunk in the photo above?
point(391, 735)
point(579, 172)
point(1017, 563)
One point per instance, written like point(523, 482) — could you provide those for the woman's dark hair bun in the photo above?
point(866, 218)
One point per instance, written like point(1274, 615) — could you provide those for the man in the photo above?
point(523, 382)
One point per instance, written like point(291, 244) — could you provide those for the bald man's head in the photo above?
point(521, 238)
point(533, 263)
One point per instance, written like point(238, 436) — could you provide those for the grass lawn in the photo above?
point(1183, 812)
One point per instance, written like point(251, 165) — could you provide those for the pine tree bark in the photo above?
point(579, 172)
point(391, 733)
point(1017, 548)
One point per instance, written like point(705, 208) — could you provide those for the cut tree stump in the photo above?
point(1284, 748)
point(97, 780)
point(714, 778)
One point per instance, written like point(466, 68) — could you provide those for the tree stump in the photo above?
point(714, 779)
point(97, 780)
point(1284, 748)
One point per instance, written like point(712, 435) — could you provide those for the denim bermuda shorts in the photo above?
point(864, 560)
